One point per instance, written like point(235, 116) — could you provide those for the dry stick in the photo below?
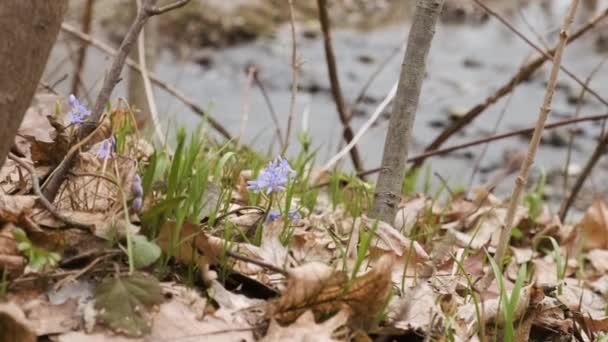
point(154, 78)
point(351, 144)
point(45, 203)
point(82, 51)
point(521, 75)
point(485, 140)
point(246, 104)
point(520, 181)
point(374, 75)
point(484, 149)
point(388, 188)
point(580, 180)
point(294, 78)
point(141, 56)
point(273, 113)
point(336, 91)
point(571, 138)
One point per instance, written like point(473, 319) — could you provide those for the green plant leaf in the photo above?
point(124, 304)
point(145, 253)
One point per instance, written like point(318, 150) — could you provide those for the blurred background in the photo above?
point(206, 49)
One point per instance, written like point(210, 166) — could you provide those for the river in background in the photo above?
point(467, 62)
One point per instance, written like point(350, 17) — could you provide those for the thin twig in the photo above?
point(294, 76)
point(141, 56)
point(520, 181)
point(160, 10)
point(484, 149)
point(600, 149)
point(45, 203)
point(153, 77)
point(523, 131)
point(521, 75)
point(572, 136)
point(260, 263)
point(82, 51)
point(336, 90)
point(375, 74)
point(351, 144)
point(273, 113)
point(147, 11)
point(246, 104)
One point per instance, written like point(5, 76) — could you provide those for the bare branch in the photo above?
point(521, 75)
point(45, 203)
point(336, 90)
point(520, 181)
point(160, 10)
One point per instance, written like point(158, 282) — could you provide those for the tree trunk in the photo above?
point(394, 158)
point(28, 30)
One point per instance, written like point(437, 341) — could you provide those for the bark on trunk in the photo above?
point(28, 30)
point(394, 158)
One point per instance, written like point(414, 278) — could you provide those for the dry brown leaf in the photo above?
point(483, 226)
point(312, 245)
point(600, 285)
point(545, 272)
point(594, 226)
point(408, 213)
point(179, 319)
point(84, 190)
point(492, 311)
point(599, 260)
point(522, 255)
point(416, 310)
point(591, 306)
point(364, 297)
point(13, 324)
point(305, 329)
point(45, 318)
point(13, 207)
point(391, 240)
point(550, 315)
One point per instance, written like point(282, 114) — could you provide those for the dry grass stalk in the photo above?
point(520, 181)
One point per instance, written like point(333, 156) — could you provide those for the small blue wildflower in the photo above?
point(294, 215)
point(273, 177)
point(136, 188)
point(79, 112)
point(137, 203)
point(273, 215)
point(106, 147)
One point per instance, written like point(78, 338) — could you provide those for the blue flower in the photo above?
point(272, 178)
point(137, 203)
point(273, 215)
point(106, 147)
point(294, 215)
point(79, 112)
point(136, 188)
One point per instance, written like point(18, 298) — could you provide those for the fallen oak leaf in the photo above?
point(124, 304)
point(594, 226)
point(306, 329)
point(363, 296)
point(13, 207)
point(13, 324)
